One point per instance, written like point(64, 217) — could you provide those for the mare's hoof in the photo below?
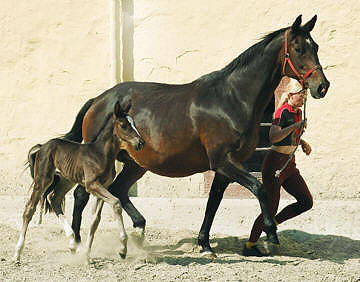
point(270, 248)
point(271, 235)
point(273, 238)
point(207, 252)
point(122, 255)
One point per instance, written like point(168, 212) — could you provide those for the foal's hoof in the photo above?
point(122, 254)
point(74, 246)
point(16, 261)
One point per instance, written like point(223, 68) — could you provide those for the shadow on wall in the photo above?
point(127, 39)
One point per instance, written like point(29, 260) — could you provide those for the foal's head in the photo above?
point(124, 127)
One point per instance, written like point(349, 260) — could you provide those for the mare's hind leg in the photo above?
point(96, 213)
point(218, 187)
point(81, 198)
point(235, 172)
point(99, 191)
point(130, 173)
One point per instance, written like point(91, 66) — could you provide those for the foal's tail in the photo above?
point(31, 158)
point(75, 133)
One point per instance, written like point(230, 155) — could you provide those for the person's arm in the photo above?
point(276, 133)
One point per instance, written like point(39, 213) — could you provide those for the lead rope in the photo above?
point(279, 171)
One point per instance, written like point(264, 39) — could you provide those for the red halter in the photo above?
point(301, 77)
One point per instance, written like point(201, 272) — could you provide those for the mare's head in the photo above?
point(124, 127)
point(301, 58)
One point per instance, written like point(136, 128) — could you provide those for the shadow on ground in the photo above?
point(294, 244)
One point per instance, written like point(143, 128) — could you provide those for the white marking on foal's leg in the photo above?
point(19, 247)
point(69, 233)
point(67, 227)
point(123, 235)
point(96, 213)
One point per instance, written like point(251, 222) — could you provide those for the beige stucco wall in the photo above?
point(55, 55)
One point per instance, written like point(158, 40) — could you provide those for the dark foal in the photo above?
point(91, 165)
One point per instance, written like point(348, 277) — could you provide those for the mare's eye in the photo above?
point(123, 126)
point(298, 50)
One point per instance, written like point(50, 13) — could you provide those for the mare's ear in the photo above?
point(296, 24)
point(118, 111)
point(310, 24)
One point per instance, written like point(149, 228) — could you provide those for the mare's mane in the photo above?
point(244, 58)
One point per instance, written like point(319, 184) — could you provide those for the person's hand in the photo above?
point(305, 147)
point(300, 123)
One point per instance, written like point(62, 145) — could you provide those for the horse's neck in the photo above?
point(256, 82)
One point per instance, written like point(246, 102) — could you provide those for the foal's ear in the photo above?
point(310, 24)
point(127, 107)
point(296, 24)
point(118, 111)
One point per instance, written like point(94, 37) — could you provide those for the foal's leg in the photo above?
point(41, 212)
point(29, 210)
point(218, 187)
point(130, 173)
point(96, 213)
point(99, 191)
point(234, 171)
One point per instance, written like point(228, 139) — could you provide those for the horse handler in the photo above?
point(279, 167)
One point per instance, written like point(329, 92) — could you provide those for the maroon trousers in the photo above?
point(291, 180)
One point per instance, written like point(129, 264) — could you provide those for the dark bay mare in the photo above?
point(91, 165)
point(211, 123)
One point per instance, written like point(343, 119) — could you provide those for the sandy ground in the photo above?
point(321, 245)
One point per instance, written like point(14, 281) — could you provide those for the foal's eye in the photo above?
point(298, 50)
point(124, 125)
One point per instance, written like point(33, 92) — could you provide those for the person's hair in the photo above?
point(292, 87)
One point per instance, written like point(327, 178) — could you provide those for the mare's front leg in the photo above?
point(130, 173)
point(98, 190)
point(218, 187)
point(236, 173)
point(96, 213)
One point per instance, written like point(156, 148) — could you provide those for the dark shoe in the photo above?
point(253, 252)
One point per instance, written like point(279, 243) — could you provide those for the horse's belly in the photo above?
point(180, 164)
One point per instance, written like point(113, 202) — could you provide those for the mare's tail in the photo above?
point(75, 133)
